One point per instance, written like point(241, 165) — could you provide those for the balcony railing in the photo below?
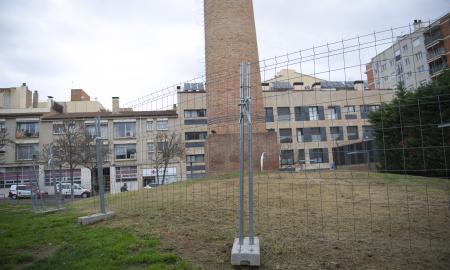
point(435, 53)
point(436, 68)
point(433, 37)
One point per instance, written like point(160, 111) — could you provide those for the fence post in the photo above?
point(98, 142)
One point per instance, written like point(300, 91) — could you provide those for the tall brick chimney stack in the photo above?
point(230, 38)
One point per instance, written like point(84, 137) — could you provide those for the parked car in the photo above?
point(24, 191)
point(78, 190)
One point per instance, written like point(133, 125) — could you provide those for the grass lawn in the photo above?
point(314, 220)
point(56, 241)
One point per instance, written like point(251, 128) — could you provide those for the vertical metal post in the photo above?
point(98, 142)
point(250, 157)
point(241, 159)
point(60, 196)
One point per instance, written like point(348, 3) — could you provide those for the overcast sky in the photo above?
point(130, 48)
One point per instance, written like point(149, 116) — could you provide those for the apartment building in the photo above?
point(311, 123)
point(131, 140)
point(193, 120)
point(437, 45)
point(21, 114)
point(404, 62)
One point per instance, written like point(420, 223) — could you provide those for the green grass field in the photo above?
point(56, 241)
point(316, 220)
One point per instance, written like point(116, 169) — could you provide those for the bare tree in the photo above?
point(89, 153)
point(67, 147)
point(168, 147)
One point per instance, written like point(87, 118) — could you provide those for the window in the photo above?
point(149, 126)
point(27, 151)
point(405, 48)
point(162, 146)
point(336, 133)
point(195, 158)
point(419, 56)
point(2, 126)
point(150, 150)
point(268, 113)
point(368, 132)
point(287, 157)
point(194, 113)
point(391, 62)
point(301, 156)
point(52, 177)
point(316, 135)
point(189, 136)
point(162, 125)
point(399, 68)
point(350, 109)
point(313, 113)
point(416, 42)
point(17, 175)
point(352, 132)
point(397, 55)
point(125, 130)
point(194, 144)
point(366, 109)
point(421, 68)
point(91, 130)
point(406, 61)
point(335, 113)
point(58, 128)
point(383, 67)
point(125, 151)
point(285, 135)
point(300, 135)
point(126, 173)
point(196, 121)
point(27, 130)
point(284, 114)
point(318, 155)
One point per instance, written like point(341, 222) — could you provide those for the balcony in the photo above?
point(431, 39)
point(435, 54)
point(437, 69)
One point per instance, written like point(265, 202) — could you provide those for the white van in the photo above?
point(78, 190)
point(23, 191)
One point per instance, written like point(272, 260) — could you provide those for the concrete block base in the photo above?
point(246, 254)
point(95, 218)
point(53, 210)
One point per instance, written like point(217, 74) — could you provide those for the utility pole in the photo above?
point(99, 146)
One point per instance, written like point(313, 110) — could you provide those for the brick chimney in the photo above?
point(35, 99)
point(115, 105)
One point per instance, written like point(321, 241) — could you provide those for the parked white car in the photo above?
point(78, 190)
point(23, 191)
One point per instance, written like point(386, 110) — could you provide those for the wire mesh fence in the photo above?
point(341, 219)
point(383, 204)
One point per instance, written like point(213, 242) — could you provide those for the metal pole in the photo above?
point(250, 158)
point(101, 189)
point(241, 160)
point(60, 197)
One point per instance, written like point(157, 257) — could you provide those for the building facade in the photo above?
point(404, 62)
point(437, 45)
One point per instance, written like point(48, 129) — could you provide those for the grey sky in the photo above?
point(130, 48)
